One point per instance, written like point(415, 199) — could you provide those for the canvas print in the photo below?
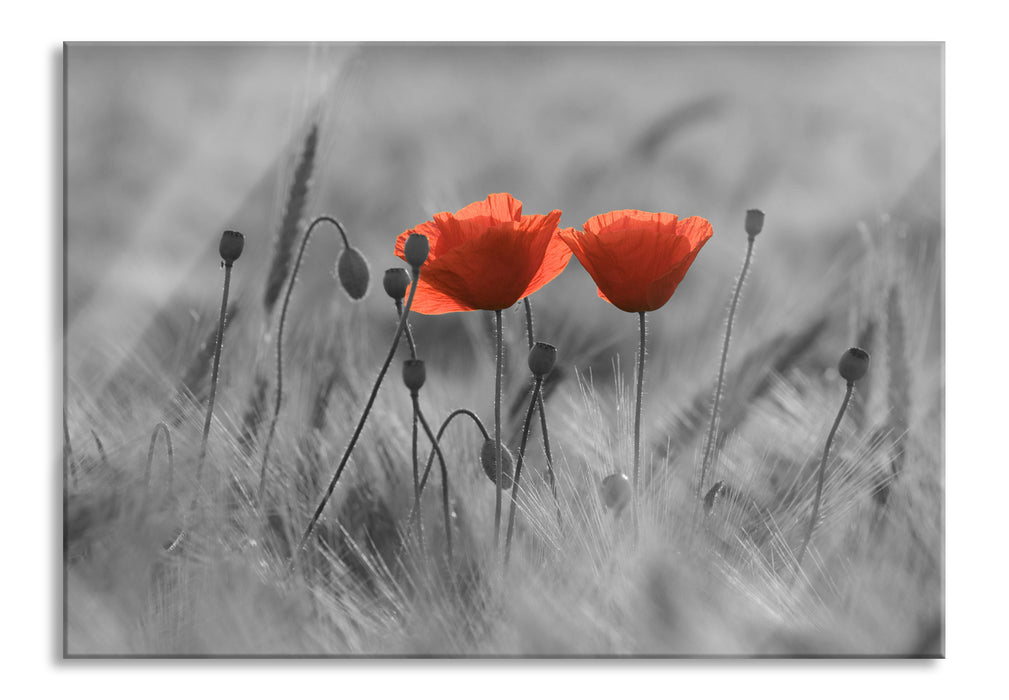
point(503, 350)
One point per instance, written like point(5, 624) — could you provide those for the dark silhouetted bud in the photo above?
point(712, 496)
point(232, 243)
point(754, 221)
point(352, 269)
point(414, 374)
point(542, 358)
point(616, 491)
point(854, 364)
point(396, 282)
point(416, 249)
point(487, 460)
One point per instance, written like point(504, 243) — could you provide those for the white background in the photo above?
point(976, 256)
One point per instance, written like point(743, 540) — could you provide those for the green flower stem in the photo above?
point(822, 473)
point(360, 425)
point(518, 467)
point(279, 394)
point(710, 450)
point(218, 345)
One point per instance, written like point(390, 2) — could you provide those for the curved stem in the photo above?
point(441, 431)
point(278, 395)
point(518, 467)
point(161, 427)
point(446, 505)
point(709, 445)
point(821, 474)
point(218, 345)
point(360, 425)
point(497, 430)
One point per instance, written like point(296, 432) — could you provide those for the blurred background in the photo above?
point(170, 144)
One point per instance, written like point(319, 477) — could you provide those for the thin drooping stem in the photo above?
point(218, 345)
point(158, 429)
point(497, 429)
point(360, 424)
point(518, 467)
point(445, 500)
point(710, 450)
point(531, 337)
point(279, 389)
point(822, 473)
point(441, 431)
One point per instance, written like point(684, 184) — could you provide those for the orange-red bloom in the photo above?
point(637, 258)
point(486, 256)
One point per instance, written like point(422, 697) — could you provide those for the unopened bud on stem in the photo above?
point(754, 222)
point(542, 357)
point(416, 250)
point(352, 269)
point(854, 364)
point(396, 282)
point(414, 375)
point(232, 243)
point(488, 462)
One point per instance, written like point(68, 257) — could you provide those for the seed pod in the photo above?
point(616, 491)
point(396, 282)
point(487, 460)
point(232, 243)
point(414, 374)
point(754, 222)
point(416, 249)
point(854, 364)
point(542, 357)
point(352, 269)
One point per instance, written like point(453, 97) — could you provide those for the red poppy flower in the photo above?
point(637, 258)
point(486, 256)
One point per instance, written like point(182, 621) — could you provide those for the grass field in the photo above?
point(840, 146)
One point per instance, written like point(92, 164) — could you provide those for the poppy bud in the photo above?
point(352, 269)
point(414, 374)
point(541, 359)
point(754, 221)
point(616, 491)
point(416, 249)
point(488, 454)
point(853, 365)
point(396, 282)
point(231, 246)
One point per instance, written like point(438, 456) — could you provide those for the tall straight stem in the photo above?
point(637, 404)
point(709, 445)
point(518, 467)
point(497, 429)
point(551, 477)
point(213, 375)
point(415, 399)
point(820, 476)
